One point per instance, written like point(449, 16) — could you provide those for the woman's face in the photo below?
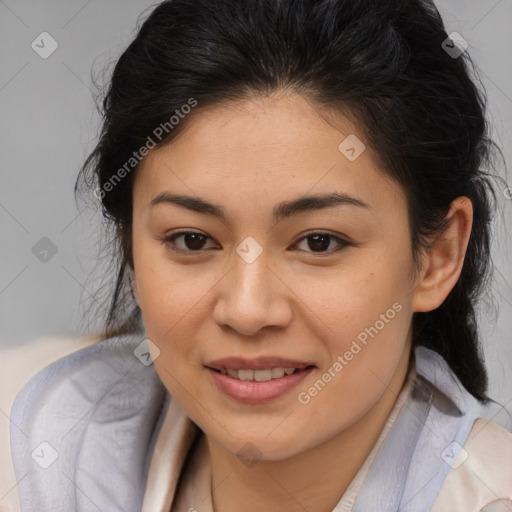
point(321, 282)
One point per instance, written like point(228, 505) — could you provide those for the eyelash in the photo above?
point(169, 240)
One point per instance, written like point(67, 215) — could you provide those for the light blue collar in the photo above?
point(424, 442)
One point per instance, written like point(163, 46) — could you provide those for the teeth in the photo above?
point(246, 374)
point(277, 373)
point(262, 375)
point(258, 375)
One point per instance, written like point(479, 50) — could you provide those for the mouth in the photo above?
point(259, 375)
point(258, 386)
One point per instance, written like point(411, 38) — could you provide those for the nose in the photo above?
point(252, 297)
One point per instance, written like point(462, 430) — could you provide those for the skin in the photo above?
point(292, 301)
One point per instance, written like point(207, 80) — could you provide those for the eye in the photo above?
point(192, 241)
point(319, 241)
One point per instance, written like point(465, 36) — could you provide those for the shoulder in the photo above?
point(480, 479)
point(100, 406)
point(17, 366)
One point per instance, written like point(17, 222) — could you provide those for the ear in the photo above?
point(442, 264)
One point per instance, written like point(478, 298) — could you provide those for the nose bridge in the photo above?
point(250, 298)
point(251, 277)
point(250, 286)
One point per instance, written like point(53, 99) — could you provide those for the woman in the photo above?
point(302, 226)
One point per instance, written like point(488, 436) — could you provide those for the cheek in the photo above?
point(158, 296)
point(170, 306)
point(365, 313)
point(347, 299)
point(365, 352)
point(167, 292)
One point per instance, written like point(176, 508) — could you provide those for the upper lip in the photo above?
point(259, 363)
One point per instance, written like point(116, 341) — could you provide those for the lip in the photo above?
point(259, 363)
point(253, 392)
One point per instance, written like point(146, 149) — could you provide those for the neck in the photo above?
point(313, 480)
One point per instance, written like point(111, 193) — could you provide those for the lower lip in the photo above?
point(253, 392)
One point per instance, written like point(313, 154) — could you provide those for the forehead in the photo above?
point(263, 150)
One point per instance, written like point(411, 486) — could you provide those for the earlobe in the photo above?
point(445, 258)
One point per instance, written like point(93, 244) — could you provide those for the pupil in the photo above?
point(316, 244)
point(193, 240)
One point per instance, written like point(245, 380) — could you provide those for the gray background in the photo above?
point(48, 125)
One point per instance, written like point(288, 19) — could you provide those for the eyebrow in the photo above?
point(280, 211)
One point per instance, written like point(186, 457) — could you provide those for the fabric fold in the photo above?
point(83, 428)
